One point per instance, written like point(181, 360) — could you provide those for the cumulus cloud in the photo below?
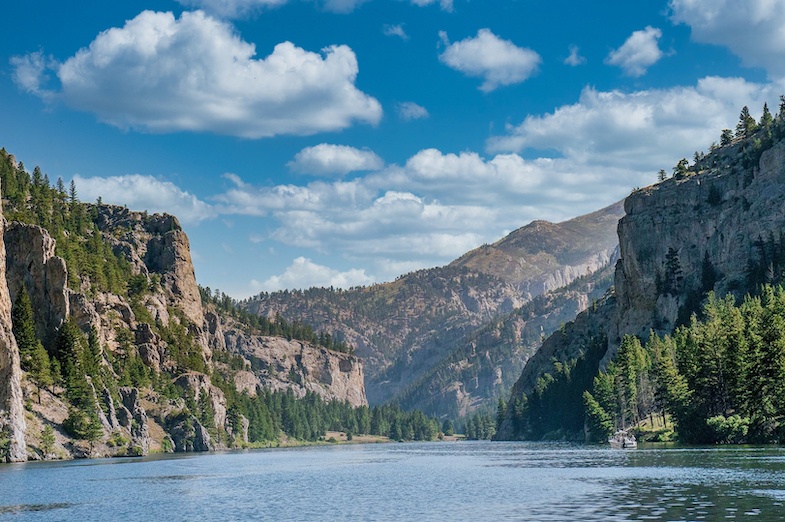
point(425, 212)
point(574, 59)
point(304, 273)
point(753, 29)
point(641, 130)
point(326, 160)
point(498, 62)
point(411, 111)
point(140, 192)
point(639, 52)
point(395, 30)
point(162, 74)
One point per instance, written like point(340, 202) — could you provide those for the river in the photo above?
point(417, 481)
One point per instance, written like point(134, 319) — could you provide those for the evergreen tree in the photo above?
point(746, 126)
point(47, 440)
point(726, 138)
point(766, 119)
point(23, 326)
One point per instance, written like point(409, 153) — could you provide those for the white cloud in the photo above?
point(29, 73)
point(437, 205)
point(232, 8)
point(411, 111)
point(326, 159)
point(395, 30)
point(642, 130)
point(243, 8)
point(639, 52)
point(140, 192)
point(574, 59)
point(498, 62)
point(162, 74)
point(446, 5)
point(304, 273)
point(753, 29)
point(342, 6)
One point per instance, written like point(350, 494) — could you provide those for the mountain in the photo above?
point(544, 256)
point(410, 328)
point(115, 350)
point(715, 226)
point(480, 368)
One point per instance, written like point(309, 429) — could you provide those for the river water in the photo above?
point(427, 481)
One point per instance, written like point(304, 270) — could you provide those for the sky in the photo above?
point(346, 142)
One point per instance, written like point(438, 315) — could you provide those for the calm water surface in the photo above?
point(436, 481)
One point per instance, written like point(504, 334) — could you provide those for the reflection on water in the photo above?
point(437, 481)
point(4, 510)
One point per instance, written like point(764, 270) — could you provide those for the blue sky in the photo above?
point(346, 142)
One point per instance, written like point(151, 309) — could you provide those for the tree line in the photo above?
point(277, 327)
point(30, 198)
point(721, 378)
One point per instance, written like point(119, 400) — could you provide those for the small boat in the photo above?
point(623, 440)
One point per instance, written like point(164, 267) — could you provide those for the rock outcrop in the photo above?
point(164, 307)
point(31, 262)
point(279, 364)
point(12, 416)
point(681, 238)
point(711, 229)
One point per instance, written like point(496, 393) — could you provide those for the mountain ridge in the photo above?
point(404, 328)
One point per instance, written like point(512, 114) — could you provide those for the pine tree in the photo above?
point(766, 119)
point(726, 138)
point(47, 440)
point(23, 326)
point(746, 125)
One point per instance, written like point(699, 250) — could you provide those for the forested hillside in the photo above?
point(693, 329)
point(122, 353)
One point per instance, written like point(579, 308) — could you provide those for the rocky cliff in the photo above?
point(715, 227)
point(407, 329)
point(126, 279)
point(276, 363)
point(12, 419)
point(713, 230)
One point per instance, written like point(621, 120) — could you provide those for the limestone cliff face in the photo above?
point(678, 240)
point(12, 417)
point(156, 244)
point(134, 325)
point(279, 364)
point(708, 228)
point(31, 261)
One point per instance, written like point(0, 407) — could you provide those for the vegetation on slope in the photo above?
point(278, 327)
point(722, 378)
point(719, 375)
point(74, 366)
